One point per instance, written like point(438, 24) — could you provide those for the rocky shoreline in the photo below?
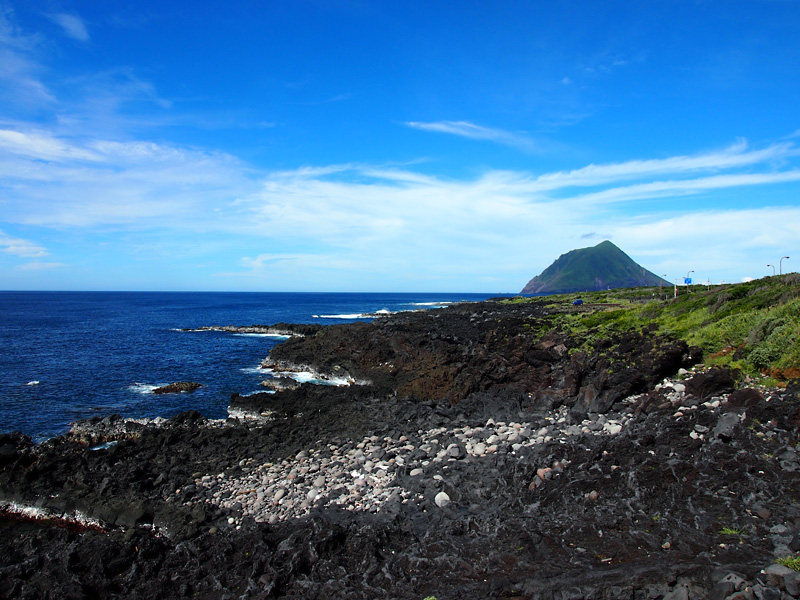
point(490, 456)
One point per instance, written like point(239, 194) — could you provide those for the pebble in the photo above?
point(361, 475)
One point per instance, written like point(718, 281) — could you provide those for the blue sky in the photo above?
point(393, 146)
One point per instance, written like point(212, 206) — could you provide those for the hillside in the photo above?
point(600, 267)
point(753, 327)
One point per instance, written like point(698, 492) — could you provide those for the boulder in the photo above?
point(178, 387)
point(713, 382)
point(745, 398)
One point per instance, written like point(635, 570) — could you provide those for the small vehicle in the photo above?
point(577, 302)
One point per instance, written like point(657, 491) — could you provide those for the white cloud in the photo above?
point(716, 244)
point(21, 247)
point(72, 25)
point(51, 181)
point(505, 222)
point(360, 224)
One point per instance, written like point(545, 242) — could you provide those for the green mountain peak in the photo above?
point(600, 267)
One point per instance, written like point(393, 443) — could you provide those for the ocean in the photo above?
point(66, 356)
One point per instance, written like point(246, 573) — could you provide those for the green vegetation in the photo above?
point(731, 531)
point(753, 327)
point(793, 562)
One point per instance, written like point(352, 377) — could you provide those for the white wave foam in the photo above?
point(255, 371)
point(276, 336)
point(315, 378)
point(381, 312)
point(242, 415)
point(35, 513)
point(432, 304)
point(104, 446)
point(143, 388)
point(256, 393)
point(34, 382)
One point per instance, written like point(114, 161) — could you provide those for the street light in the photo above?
point(780, 265)
point(773, 269)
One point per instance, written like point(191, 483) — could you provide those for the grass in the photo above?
point(793, 562)
point(731, 531)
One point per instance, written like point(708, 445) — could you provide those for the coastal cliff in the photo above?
point(504, 449)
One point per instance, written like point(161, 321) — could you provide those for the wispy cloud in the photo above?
point(331, 99)
point(72, 25)
point(40, 266)
point(20, 247)
point(737, 155)
point(476, 132)
point(20, 81)
point(675, 188)
point(42, 145)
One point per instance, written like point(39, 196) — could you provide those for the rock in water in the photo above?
point(178, 387)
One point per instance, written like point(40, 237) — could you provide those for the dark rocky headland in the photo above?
point(491, 450)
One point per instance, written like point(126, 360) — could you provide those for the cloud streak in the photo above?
point(735, 156)
point(72, 25)
point(476, 132)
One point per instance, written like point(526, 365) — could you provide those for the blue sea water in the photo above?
point(66, 356)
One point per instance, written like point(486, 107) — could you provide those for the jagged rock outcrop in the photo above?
point(488, 348)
